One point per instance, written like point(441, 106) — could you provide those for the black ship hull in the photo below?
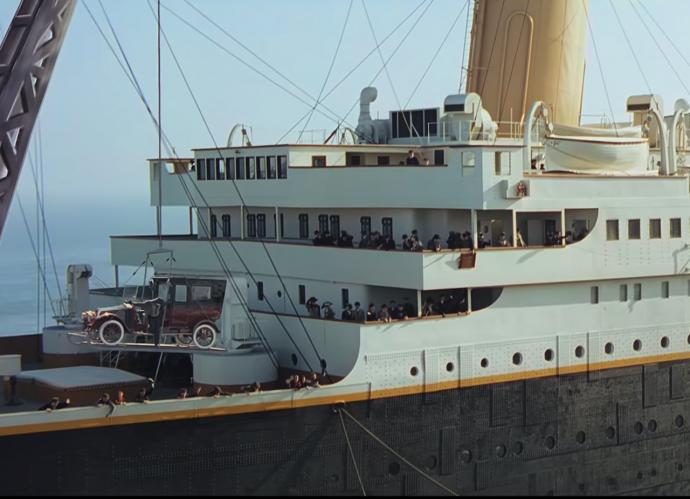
point(622, 431)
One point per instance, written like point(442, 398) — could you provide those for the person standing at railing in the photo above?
point(412, 159)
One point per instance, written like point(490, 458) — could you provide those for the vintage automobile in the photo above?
point(184, 308)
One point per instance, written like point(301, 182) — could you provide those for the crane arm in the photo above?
point(27, 58)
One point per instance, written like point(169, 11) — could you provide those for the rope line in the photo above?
point(352, 454)
point(396, 454)
point(630, 46)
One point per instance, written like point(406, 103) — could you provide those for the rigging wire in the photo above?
point(658, 45)
point(159, 201)
point(330, 70)
point(397, 454)
point(463, 65)
point(663, 32)
point(438, 50)
point(245, 206)
point(601, 69)
point(352, 454)
point(512, 66)
point(630, 46)
point(491, 54)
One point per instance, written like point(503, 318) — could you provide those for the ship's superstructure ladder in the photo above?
point(27, 58)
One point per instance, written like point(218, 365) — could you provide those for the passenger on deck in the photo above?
point(503, 240)
point(405, 244)
point(434, 243)
point(182, 394)
point(64, 405)
point(51, 406)
point(388, 243)
point(365, 241)
point(428, 308)
point(358, 314)
point(142, 397)
point(105, 400)
point(327, 239)
point(346, 315)
point(399, 312)
point(318, 239)
point(290, 382)
point(452, 242)
point(345, 240)
point(313, 308)
point(568, 237)
point(372, 315)
point(120, 400)
point(384, 314)
point(312, 381)
point(216, 392)
point(328, 312)
point(412, 159)
point(427, 162)
point(482, 242)
point(409, 310)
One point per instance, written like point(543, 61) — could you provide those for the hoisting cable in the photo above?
point(245, 206)
point(601, 69)
point(330, 70)
point(159, 201)
point(463, 67)
point(630, 46)
point(133, 80)
point(663, 32)
point(397, 454)
point(352, 454)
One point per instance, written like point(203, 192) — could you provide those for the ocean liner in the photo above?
point(535, 336)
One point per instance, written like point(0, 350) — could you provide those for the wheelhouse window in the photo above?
point(251, 168)
point(210, 169)
point(365, 225)
point(623, 293)
point(414, 123)
point(302, 294)
point(220, 169)
point(230, 168)
point(318, 161)
point(655, 228)
point(260, 167)
point(468, 159)
point(353, 159)
point(335, 225)
point(594, 295)
point(201, 169)
point(282, 167)
point(634, 229)
point(439, 157)
point(304, 226)
point(612, 230)
point(272, 168)
point(383, 160)
point(239, 168)
point(261, 226)
point(251, 225)
point(637, 291)
point(675, 228)
point(226, 225)
point(323, 223)
point(387, 227)
point(214, 226)
point(664, 289)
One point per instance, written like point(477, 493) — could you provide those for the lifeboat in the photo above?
point(597, 155)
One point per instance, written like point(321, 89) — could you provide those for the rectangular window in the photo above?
point(260, 290)
point(282, 225)
point(468, 161)
point(439, 157)
point(675, 228)
point(594, 295)
point(261, 226)
point(180, 293)
point(239, 168)
point(214, 226)
point(335, 225)
point(637, 289)
point(383, 160)
point(365, 225)
point(345, 293)
point(352, 159)
point(387, 227)
point(302, 294)
point(201, 293)
point(210, 169)
point(323, 224)
point(230, 168)
point(655, 228)
point(260, 167)
point(502, 163)
point(318, 161)
point(272, 168)
point(220, 169)
point(201, 169)
point(304, 226)
point(226, 226)
point(251, 225)
point(251, 168)
point(623, 293)
point(612, 230)
point(634, 229)
point(664, 289)
point(282, 167)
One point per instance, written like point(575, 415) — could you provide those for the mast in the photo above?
point(524, 51)
point(27, 58)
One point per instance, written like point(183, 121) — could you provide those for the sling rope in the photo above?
point(352, 454)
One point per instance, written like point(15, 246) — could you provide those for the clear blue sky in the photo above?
point(97, 135)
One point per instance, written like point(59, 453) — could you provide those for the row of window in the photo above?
point(259, 167)
point(637, 292)
point(255, 228)
point(332, 224)
point(634, 232)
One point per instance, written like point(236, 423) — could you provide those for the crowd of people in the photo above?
point(297, 381)
point(385, 313)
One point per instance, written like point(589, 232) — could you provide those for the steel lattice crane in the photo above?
point(27, 59)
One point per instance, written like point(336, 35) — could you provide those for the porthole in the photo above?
point(517, 359)
point(414, 371)
point(280, 294)
point(680, 421)
point(323, 364)
point(580, 437)
point(466, 456)
point(449, 367)
point(501, 450)
point(679, 466)
point(652, 426)
point(484, 363)
point(653, 472)
point(294, 359)
point(639, 428)
point(550, 442)
point(580, 352)
point(664, 342)
point(637, 345)
point(640, 476)
point(688, 339)
point(548, 355)
point(609, 348)
point(518, 447)
point(610, 432)
point(394, 468)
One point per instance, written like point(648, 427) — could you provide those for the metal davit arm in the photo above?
point(27, 58)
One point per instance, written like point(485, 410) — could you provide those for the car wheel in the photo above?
point(111, 332)
point(184, 338)
point(204, 336)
